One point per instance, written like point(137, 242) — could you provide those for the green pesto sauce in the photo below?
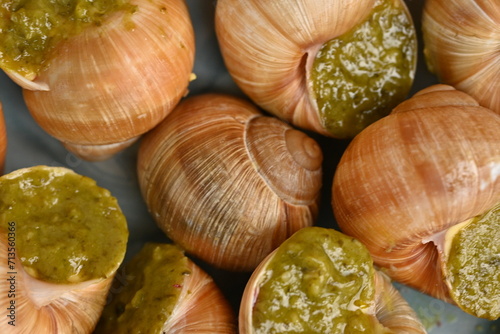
point(29, 29)
point(360, 76)
point(319, 281)
point(66, 228)
point(147, 291)
point(474, 264)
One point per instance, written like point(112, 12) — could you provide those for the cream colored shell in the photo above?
point(461, 39)
point(114, 82)
point(433, 163)
point(227, 183)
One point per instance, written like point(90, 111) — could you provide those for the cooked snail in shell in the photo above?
point(163, 291)
point(461, 39)
point(62, 238)
point(3, 140)
point(227, 183)
point(322, 281)
point(107, 73)
point(328, 66)
point(421, 189)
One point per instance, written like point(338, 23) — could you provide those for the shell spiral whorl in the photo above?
point(222, 180)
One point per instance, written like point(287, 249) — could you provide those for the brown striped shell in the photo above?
point(227, 183)
point(405, 180)
point(461, 39)
point(269, 48)
point(112, 83)
point(143, 300)
point(203, 307)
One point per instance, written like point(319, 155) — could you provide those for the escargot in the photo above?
point(163, 291)
point(62, 239)
point(323, 281)
point(98, 74)
point(3, 140)
point(421, 189)
point(328, 66)
point(461, 39)
point(227, 183)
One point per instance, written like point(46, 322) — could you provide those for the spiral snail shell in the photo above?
point(227, 183)
point(422, 187)
point(113, 80)
point(461, 39)
point(328, 66)
point(62, 239)
point(163, 291)
point(322, 281)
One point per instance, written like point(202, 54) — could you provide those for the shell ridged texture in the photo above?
point(110, 84)
point(413, 174)
point(202, 307)
point(261, 137)
point(49, 308)
point(392, 310)
point(209, 196)
point(461, 39)
point(267, 43)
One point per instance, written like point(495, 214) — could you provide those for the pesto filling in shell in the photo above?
point(474, 265)
point(63, 227)
point(318, 281)
point(360, 76)
point(148, 289)
point(29, 29)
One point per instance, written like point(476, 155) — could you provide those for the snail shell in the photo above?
point(408, 178)
point(204, 309)
point(35, 303)
point(3, 140)
point(375, 298)
point(227, 183)
point(111, 83)
point(42, 307)
point(461, 40)
point(163, 291)
point(269, 48)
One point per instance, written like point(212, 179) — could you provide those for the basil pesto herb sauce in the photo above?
point(360, 76)
point(319, 281)
point(29, 29)
point(67, 229)
point(474, 263)
point(148, 293)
